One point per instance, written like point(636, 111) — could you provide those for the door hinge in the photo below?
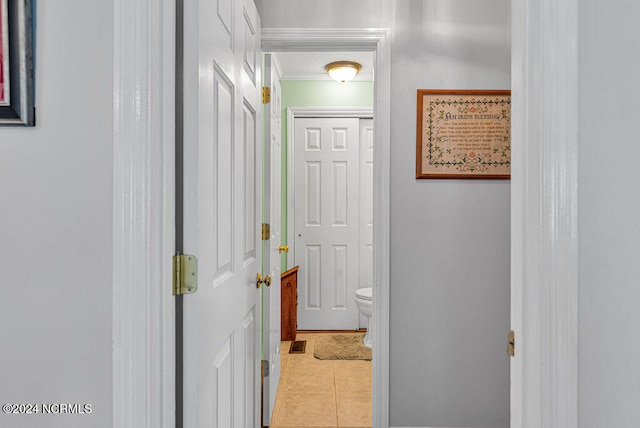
point(512, 343)
point(266, 95)
point(185, 274)
point(265, 368)
point(266, 231)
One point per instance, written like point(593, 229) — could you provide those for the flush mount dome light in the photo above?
point(343, 71)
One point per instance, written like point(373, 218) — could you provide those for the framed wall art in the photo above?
point(463, 134)
point(16, 63)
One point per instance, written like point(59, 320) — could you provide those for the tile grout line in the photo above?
point(335, 392)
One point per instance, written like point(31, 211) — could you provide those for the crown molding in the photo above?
point(362, 77)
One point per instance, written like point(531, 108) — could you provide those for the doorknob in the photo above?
point(259, 280)
point(266, 280)
point(283, 248)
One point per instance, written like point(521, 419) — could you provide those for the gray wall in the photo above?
point(56, 224)
point(323, 13)
point(609, 213)
point(449, 238)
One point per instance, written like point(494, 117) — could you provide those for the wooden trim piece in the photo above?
point(290, 271)
point(143, 214)
point(322, 39)
point(544, 213)
point(289, 304)
point(359, 112)
point(381, 231)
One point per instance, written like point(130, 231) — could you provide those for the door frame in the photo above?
point(544, 172)
point(378, 41)
point(294, 113)
point(143, 308)
point(275, 73)
point(544, 213)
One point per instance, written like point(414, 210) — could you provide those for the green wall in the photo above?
point(315, 93)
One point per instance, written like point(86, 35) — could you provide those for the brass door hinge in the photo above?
point(266, 95)
point(185, 274)
point(512, 343)
point(266, 231)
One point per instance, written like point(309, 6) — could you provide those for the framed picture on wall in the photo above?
point(16, 63)
point(4, 48)
point(463, 134)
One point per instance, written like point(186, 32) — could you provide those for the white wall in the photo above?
point(449, 238)
point(56, 224)
point(608, 211)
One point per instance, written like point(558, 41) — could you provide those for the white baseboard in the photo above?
point(432, 427)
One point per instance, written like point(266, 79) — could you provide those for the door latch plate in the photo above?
point(512, 343)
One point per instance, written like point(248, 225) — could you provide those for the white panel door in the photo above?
point(326, 165)
point(222, 183)
point(272, 209)
point(365, 276)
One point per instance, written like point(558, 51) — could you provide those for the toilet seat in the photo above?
point(364, 293)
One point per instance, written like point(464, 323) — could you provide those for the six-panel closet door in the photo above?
point(330, 167)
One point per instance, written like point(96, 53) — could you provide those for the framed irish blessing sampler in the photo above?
point(463, 134)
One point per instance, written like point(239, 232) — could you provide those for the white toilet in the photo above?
point(364, 302)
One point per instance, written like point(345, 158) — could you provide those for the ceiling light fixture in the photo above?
point(343, 71)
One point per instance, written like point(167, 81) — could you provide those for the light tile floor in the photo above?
point(321, 393)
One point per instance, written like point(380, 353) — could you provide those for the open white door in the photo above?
point(222, 183)
point(272, 210)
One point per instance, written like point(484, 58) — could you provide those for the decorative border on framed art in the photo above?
point(16, 63)
point(463, 134)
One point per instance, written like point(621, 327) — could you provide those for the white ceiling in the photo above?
point(310, 65)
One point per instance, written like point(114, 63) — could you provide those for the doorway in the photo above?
point(334, 138)
point(147, 178)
